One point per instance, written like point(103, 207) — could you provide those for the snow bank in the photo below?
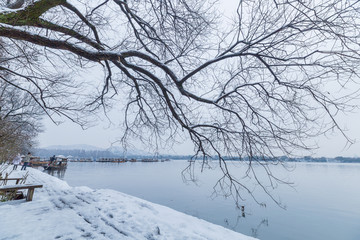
point(59, 211)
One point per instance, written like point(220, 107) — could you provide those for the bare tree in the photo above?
point(20, 115)
point(250, 89)
point(19, 122)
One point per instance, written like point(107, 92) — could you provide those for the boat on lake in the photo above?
point(36, 161)
point(117, 160)
point(60, 162)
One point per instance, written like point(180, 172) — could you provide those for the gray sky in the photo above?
point(101, 135)
point(68, 133)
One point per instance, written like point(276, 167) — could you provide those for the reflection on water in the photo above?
point(324, 204)
point(59, 173)
point(254, 231)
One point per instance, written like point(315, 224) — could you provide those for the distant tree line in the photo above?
point(96, 154)
point(304, 159)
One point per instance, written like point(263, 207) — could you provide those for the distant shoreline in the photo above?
point(95, 154)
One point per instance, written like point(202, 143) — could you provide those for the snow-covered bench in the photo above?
point(29, 187)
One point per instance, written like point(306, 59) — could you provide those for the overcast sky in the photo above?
point(103, 136)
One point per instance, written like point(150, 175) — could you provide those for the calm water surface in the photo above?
point(325, 203)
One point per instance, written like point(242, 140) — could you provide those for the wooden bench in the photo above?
point(8, 179)
point(29, 187)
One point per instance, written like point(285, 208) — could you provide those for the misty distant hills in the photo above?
point(121, 150)
point(88, 151)
point(73, 147)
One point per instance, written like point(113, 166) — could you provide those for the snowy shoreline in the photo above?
point(59, 211)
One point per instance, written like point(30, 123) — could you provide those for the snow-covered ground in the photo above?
point(59, 211)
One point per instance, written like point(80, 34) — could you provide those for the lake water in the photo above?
point(325, 203)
